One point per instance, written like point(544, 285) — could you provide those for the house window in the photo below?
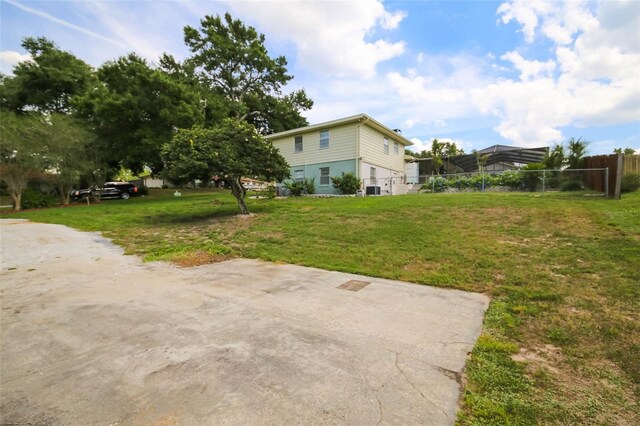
point(372, 175)
point(324, 175)
point(298, 144)
point(298, 175)
point(396, 150)
point(386, 145)
point(324, 139)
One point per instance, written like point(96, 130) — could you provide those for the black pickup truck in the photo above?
point(122, 190)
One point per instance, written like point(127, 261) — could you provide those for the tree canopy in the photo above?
point(625, 151)
point(232, 60)
point(232, 150)
point(135, 109)
point(47, 82)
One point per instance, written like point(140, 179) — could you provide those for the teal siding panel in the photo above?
point(336, 168)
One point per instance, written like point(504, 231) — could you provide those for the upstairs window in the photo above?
point(324, 175)
point(324, 139)
point(396, 149)
point(386, 145)
point(298, 144)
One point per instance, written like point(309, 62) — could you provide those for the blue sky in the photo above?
point(524, 73)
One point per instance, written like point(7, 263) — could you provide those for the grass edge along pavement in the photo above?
point(561, 339)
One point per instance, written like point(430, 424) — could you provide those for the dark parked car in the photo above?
point(122, 190)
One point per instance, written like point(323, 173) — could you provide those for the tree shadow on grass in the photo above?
point(220, 212)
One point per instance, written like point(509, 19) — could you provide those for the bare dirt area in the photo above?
point(90, 336)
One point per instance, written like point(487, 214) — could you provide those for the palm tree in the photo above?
point(436, 154)
point(577, 151)
point(555, 158)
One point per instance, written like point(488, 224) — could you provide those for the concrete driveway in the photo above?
point(90, 336)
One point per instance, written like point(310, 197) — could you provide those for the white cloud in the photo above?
point(438, 90)
point(390, 21)
point(529, 69)
point(526, 13)
point(425, 144)
point(9, 59)
point(596, 65)
point(330, 37)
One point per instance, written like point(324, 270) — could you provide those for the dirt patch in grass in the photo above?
point(199, 257)
point(547, 356)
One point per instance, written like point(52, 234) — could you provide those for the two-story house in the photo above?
point(357, 144)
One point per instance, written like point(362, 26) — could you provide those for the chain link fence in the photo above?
point(589, 181)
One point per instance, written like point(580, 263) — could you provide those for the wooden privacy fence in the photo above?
point(631, 164)
point(618, 164)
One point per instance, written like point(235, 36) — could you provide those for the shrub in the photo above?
point(510, 179)
point(295, 188)
point(437, 184)
point(531, 175)
point(143, 190)
point(347, 183)
point(630, 183)
point(573, 184)
point(34, 199)
point(310, 186)
point(270, 191)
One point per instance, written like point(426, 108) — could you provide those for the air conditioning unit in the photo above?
point(372, 190)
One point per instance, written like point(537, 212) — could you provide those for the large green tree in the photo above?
point(136, 109)
point(47, 82)
point(232, 60)
point(66, 141)
point(51, 147)
point(21, 152)
point(232, 150)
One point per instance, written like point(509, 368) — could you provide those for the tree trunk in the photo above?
point(239, 192)
point(16, 197)
point(64, 193)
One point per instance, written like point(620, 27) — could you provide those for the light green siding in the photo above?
point(336, 168)
point(372, 150)
point(342, 146)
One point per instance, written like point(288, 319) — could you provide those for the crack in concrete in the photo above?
point(408, 379)
point(379, 408)
point(456, 343)
point(375, 395)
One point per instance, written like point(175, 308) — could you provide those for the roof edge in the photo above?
point(363, 118)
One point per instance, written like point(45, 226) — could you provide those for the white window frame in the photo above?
point(326, 177)
point(396, 148)
point(298, 144)
point(385, 143)
point(324, 139)
point(298, 175)
point(372, 176)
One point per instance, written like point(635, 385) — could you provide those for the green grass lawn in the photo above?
point(561, 340)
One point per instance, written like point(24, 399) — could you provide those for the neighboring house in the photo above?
point(357, 144)
point(152, 182)
point(254, 184)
